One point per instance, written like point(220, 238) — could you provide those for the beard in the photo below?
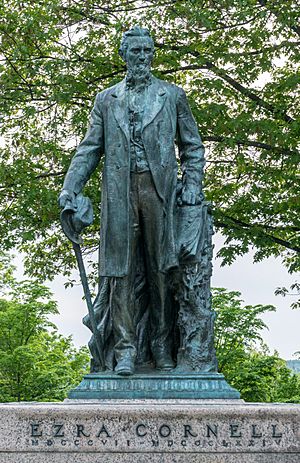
point(139, 74)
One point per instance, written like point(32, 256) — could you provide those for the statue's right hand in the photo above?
point(67, 196)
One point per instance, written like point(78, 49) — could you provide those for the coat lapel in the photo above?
point(156, 97)
point(120, 107)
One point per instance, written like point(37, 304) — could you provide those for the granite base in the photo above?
point(154, 431)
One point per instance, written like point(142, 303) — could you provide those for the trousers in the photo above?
point(146, 216)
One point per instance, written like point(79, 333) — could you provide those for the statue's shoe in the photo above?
point(125, 367)
point(164, 361)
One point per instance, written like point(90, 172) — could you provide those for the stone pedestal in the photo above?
point(183, 431)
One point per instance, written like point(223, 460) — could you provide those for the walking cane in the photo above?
point(82, 213)
point(88, 299)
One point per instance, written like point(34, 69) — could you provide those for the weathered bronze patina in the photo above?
point(153, 309)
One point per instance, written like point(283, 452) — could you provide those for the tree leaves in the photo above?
point(36, 363)
point(238, 62)
point(242, 356)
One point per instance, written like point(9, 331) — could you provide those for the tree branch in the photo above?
point(107, 76)
point(256, 144)
point(51, 174)
point(191, 67)
point(248, 93)
point(278, 46)
point(43, 175)
point(232, 82)
point(240, 224)
point(265, 4)
point(28, 85)
point(228, 26)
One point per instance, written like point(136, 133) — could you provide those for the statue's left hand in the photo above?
point(190, 196)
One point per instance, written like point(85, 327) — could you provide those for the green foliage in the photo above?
point(238, 62)
point(36, 363)
point(294, 292)
point(243, 358)
point(261, 377)
point(238, 328)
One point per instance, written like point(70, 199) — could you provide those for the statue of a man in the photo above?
point(136, 125)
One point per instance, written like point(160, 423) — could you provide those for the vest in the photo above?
point(138, 158)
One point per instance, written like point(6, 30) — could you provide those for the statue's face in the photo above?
point(139, 53)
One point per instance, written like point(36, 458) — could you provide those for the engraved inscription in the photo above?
point(58, 430)
point(122, 434)
point(234, 431)
point(35, 430)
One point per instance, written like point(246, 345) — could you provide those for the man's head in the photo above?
point(137, 50)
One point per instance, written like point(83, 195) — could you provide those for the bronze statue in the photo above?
point(153, 306)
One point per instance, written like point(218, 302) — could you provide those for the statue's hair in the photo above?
point(136, 31)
